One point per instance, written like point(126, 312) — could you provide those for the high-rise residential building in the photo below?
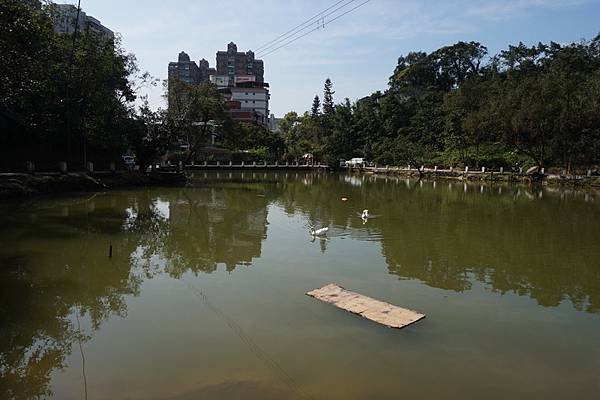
point(185, 69)
point(255, 99)
point(233, 62)
point(188, 71)
point(66, 19)
point(205, 70)
point(239, 77)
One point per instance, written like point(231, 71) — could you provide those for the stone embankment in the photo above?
point(15, 185)
point(483, 174)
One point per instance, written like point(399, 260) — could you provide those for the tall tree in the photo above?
point(315, 111)
point(328, 104)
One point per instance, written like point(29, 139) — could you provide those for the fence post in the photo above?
point(242, 163)
point(30, 167)
point(501, 170)
point(218, 163)
point(90, 167)
point(254, 163)
point(521, 170)
point(409, 167)
point(589, 172)
point(467, 169)
point(435, 168)
point(113, 167)
point(483, 169)
point(451, 169)
point(62, 167)
point(181, 165)
point(543, 171)
point(230, 163)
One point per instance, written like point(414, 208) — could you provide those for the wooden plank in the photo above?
point(378, 311)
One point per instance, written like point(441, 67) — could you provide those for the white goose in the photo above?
point(319, 232)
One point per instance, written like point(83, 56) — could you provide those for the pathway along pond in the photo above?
point(204, 297)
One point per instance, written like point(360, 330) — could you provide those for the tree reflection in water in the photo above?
point(45, 279)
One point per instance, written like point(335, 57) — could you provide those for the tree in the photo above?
point(287, 123)
point(148, 136)
point(259, 141)
point(527, 105)
point(194, 110)
point(455, 64)
point(74, 106)
point(316, 107)
point(328, 104)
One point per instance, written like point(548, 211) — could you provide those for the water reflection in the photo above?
point(37, 303)
point(54, 261)
point(204, 228)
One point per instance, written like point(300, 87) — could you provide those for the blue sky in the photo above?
point(358, 52)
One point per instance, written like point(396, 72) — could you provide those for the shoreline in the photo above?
point(23, 185)
point(575, 181)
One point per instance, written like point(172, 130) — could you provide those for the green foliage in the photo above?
point(328, 104)
point(65, 97)
point(147, 135)
point(261, 143)
point(194, 113)
point(315, 111)
point(534, 105)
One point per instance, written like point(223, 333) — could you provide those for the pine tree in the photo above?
point(328, 106)
point(316, 107)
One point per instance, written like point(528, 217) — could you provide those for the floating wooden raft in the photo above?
point(375, 310)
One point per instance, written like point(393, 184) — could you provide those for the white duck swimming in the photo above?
point(319, 232)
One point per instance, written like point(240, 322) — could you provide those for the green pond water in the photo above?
point(204, 296)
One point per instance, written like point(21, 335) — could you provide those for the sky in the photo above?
point(358, 52)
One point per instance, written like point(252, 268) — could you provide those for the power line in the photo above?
point(320, 24)
point(315, 29)
point(299, 26)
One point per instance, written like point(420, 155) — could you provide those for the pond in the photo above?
point(204, 295)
